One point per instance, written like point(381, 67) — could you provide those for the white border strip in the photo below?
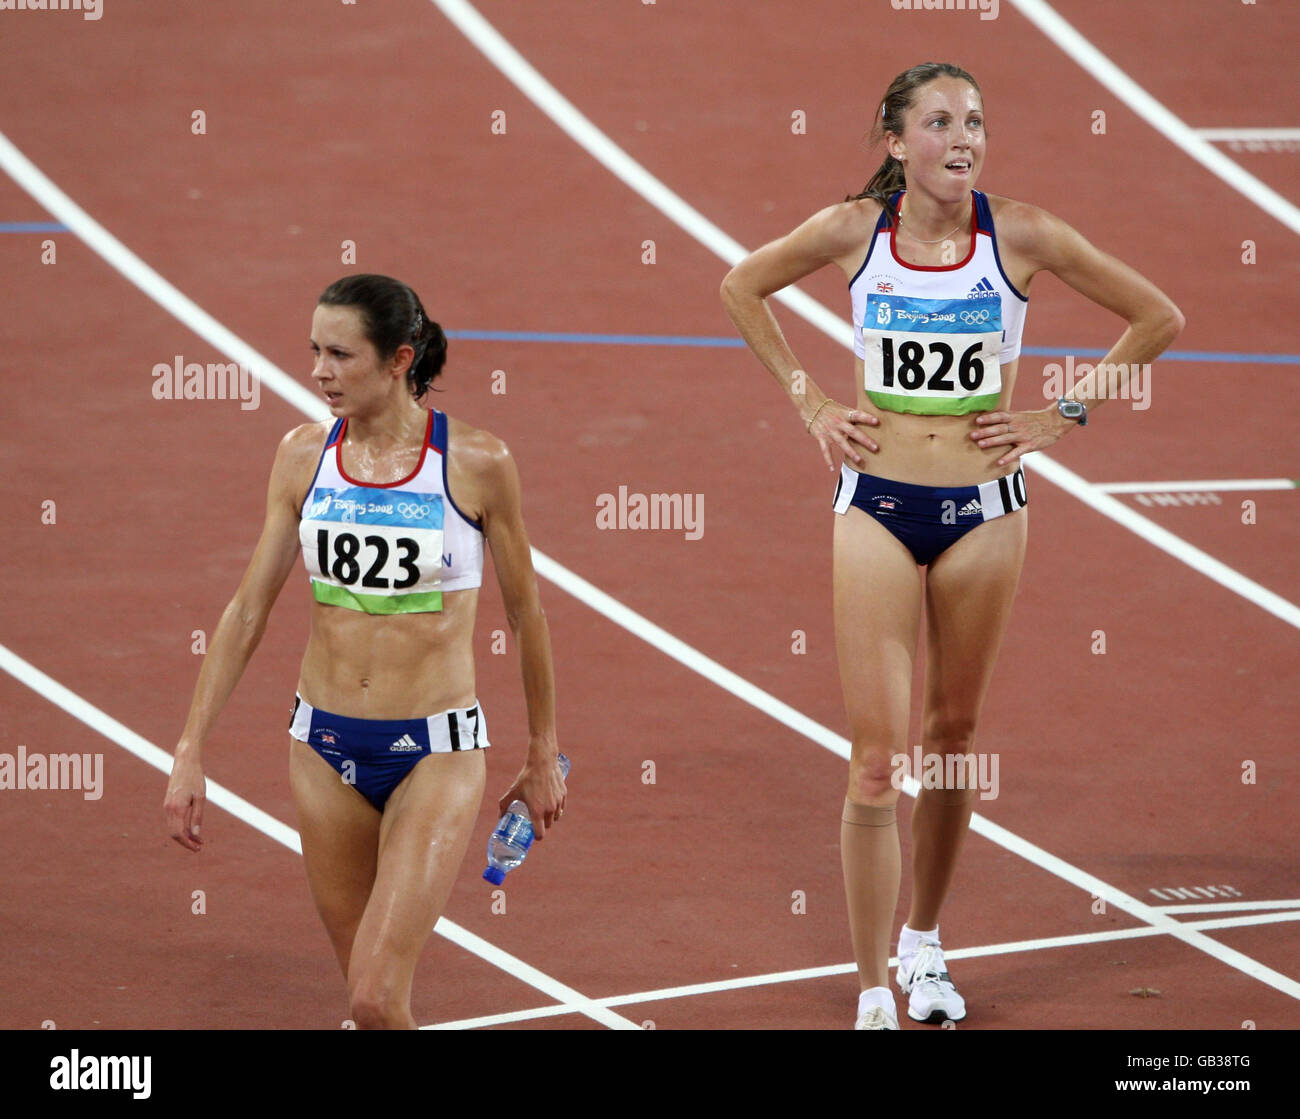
point(46, 686)
point(1223, 135)
point(801, 974)
point(1230, 906)
point(1097, 66)
point(601, 148)
point(1223, 486)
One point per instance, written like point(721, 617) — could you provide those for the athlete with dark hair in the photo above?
point(389, 505)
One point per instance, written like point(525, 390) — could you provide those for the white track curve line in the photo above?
point(803, 974)
point(1223, 486)
point(601, 148)
point(49, 688)
point(1097, 66)
point(547, 98)
point(1230, 134)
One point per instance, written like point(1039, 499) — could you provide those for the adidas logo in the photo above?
point(405, 745)
point(983, 290)
point(970, 508)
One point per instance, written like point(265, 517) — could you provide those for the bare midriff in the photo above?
point(930, 450)
point(401, 666)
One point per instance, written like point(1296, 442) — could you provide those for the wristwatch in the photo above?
point(1073, 410)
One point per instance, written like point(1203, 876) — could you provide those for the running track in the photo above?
point(372, 124)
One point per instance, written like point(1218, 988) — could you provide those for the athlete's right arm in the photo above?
point(241, 628)
point(833, 235)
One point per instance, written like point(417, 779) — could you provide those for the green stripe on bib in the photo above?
point(931, 406)
point(331, 595)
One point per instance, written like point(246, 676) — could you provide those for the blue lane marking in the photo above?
point(739, 343)
point(1172, 355)
point(33, 227)
point(594, 339)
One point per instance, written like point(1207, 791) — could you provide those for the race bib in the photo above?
point(932, 356)
point(373, 550)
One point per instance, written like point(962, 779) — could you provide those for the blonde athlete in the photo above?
point(938, 274)
point(388, 504)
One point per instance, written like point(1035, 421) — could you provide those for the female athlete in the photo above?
point(937, 277)
point(388, 504)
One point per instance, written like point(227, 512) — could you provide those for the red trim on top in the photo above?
point(383, 485)
point(974, 224)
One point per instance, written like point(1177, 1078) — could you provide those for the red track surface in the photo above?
point(371, 123)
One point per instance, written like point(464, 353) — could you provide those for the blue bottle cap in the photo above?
point(494, 875)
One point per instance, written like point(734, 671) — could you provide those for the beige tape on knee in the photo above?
point(868, 815)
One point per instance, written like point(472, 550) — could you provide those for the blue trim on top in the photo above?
point(882, 223)
point(983, 215)
point(997, 255)
point(330, 440)
point(438, 439)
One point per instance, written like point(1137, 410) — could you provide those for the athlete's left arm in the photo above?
point(539, 784)
point(1049, 244)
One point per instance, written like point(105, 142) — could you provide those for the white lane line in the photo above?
point(1226, 134)
point(601, 148)
point(1230, 906)
point(44, 190)
point(1097, 66)
point(547, 98)
point(802, 974)
point(1221, 486)
point(46, 686)
point(693, 659)
point(1167, 541)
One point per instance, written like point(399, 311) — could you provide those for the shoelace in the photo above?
point(875, 1019)
point(928, 966)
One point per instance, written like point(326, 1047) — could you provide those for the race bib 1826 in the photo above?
point(932, 356)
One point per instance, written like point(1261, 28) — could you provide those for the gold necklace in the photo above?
point(938, 239)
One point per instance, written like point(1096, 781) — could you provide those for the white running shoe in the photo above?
point(924, 977)
point(876, 1018)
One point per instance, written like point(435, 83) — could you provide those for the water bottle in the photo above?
point(509, 843)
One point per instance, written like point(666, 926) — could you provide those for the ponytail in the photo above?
point(392, 316)
point(430, 354)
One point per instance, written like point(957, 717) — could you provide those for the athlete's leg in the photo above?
point(877, 620)
point(422, 840)
point(969, 591)
point(340, 835)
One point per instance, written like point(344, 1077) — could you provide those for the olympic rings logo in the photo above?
point(412, 509)
point(981, 315)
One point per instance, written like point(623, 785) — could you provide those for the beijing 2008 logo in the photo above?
point(982, 315)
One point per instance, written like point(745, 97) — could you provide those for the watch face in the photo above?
point(1071, 409)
